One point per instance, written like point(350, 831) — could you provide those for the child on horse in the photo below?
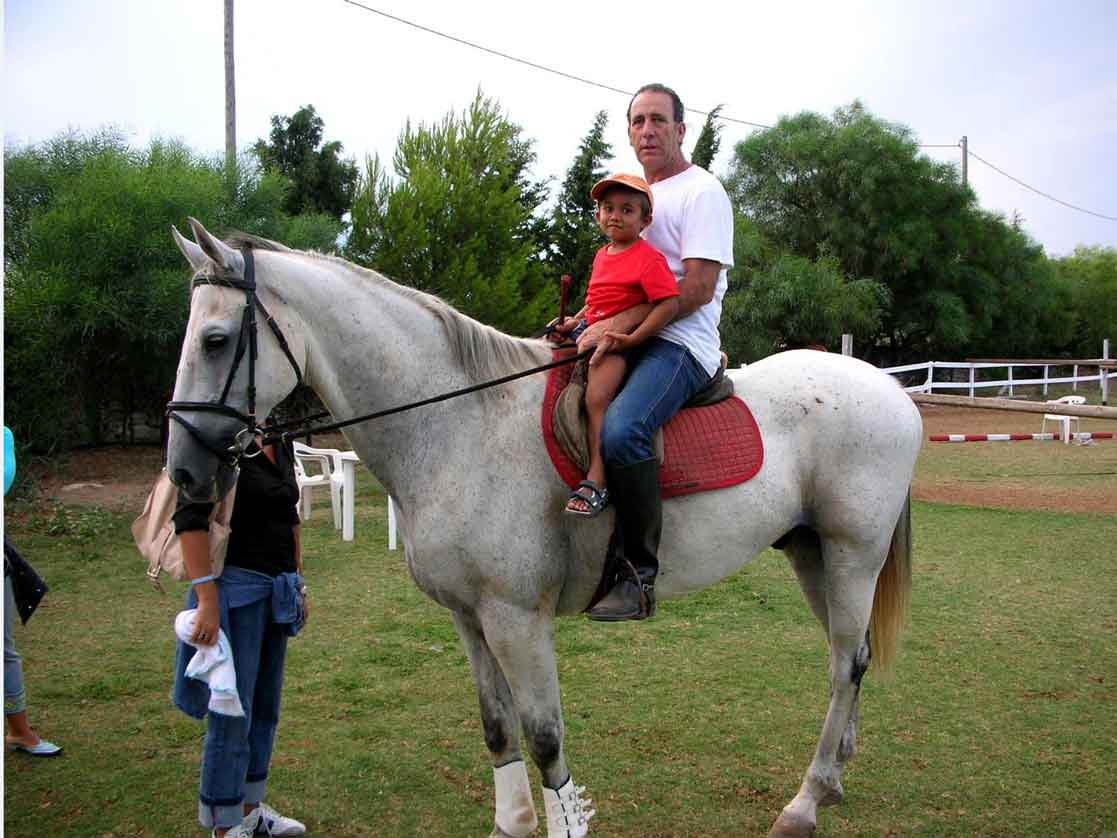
point(626, 272)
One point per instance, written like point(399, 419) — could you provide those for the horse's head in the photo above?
point(230, 374)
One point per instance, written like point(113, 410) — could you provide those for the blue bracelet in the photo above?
point(202, 579)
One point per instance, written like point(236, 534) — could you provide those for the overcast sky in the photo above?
point(1032, 84)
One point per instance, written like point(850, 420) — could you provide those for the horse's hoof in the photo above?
point(833, 796)
point(500, 833)
point(792, 826)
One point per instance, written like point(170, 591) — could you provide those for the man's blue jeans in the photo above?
point(662, 376)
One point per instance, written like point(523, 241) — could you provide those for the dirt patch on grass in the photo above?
point(1014, 475)
point(117, 477)
point(1006, 475)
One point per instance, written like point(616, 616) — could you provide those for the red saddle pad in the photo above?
point(703, 447)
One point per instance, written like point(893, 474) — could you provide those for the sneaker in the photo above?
point(238, 831)
point(264, 820)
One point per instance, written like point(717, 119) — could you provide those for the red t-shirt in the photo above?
point(622, 280)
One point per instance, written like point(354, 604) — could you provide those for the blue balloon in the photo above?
point(9, 459)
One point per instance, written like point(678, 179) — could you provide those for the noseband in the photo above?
point(246, 341)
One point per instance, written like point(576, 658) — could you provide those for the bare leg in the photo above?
point(19, 730)
point(604, 381)
point(515, 809)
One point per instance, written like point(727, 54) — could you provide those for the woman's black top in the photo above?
point(264, 513)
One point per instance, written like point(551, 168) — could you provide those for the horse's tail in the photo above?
point(890, 603)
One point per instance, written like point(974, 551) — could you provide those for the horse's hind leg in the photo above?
point(804, 552)
point(515, 809)
point(523, 642)
point(850, 580)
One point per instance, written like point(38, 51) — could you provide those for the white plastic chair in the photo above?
point(326, 472)
point(1060, 419)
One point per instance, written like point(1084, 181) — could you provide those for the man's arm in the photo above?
point(624, 322)
point(662, 313)
point(697, 287)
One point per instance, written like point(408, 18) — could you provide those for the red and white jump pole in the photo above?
point(1078, 437)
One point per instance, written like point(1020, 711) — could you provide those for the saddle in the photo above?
point(711, 443)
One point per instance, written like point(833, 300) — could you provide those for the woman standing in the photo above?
point(257, 602)
point(20, 737)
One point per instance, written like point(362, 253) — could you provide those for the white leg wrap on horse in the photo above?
point(515, 809)
point(568, 813)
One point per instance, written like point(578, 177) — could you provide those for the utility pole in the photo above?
point(965, 156)
point(230, 101)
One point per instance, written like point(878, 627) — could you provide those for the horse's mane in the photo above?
point(481, 350)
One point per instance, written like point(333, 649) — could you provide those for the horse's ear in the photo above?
point(194, 254)
point(225, 257)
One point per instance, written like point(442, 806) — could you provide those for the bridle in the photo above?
point(246, 342)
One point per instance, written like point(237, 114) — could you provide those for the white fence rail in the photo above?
point(1004, 385)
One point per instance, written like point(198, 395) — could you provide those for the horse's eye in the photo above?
point(214, 342)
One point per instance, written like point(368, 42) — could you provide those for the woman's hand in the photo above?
point(207, 620)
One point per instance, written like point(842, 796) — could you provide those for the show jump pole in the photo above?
point(1090, 411)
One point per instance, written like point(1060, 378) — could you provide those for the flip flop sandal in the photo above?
point(42, 749)
point(596, 498)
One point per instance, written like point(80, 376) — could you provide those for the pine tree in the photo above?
point(323, 181)
point(709, 141)
point(575, 236)
point(459, 221)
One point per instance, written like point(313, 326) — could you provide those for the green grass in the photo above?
point(1000, 718)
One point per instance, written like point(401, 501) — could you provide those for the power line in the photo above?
point(524, 61)
point(630, 93)
point(1040, 192)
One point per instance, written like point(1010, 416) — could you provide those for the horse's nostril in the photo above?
point(183, 480)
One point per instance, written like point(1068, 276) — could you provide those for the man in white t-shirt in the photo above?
point(693, 227)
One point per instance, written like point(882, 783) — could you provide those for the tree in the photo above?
point(575, 235)
point(796, 302)
point(855, 187)
point(323, 181)
point(709, 141)
point(460, 221)
point(95, 289)
point(1089, 277)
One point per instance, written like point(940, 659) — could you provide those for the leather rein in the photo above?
point(246, 342)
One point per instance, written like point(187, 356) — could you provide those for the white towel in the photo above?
point(212, 664)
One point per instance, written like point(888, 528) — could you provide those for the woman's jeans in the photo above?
point(14, 699)
point(237, 751)
point(662, 376)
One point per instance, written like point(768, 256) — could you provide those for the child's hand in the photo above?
point(558, 333)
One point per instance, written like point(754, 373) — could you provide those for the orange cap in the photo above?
point(628, 181)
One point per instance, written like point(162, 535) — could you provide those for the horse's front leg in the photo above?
point(523, 642)
point(850, 583)
point(515, 809)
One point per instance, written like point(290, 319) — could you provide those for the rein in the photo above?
point(247, 340)
point(271, 437)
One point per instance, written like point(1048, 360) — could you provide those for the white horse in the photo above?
point(480, 504)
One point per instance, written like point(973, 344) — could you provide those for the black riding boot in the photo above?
point(634, 491)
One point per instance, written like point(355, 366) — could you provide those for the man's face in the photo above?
point(653, 133)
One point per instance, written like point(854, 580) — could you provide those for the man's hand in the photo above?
point(610, 342)
point(592, 335)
